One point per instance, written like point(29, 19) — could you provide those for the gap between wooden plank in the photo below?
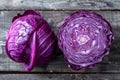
point(24, 72)
point(59, 9)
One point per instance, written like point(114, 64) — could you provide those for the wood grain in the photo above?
point(111, 63)
point(60, 77)
point(60, 4)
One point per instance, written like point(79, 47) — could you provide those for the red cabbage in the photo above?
point(30, 40)
point(85, 38)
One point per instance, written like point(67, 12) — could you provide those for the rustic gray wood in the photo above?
point(59, 4)
point(111, 63)
point(60, 77)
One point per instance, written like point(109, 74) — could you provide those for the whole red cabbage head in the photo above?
point(30, 40)
point(85, 38)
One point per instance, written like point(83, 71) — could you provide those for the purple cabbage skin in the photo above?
point(85, 38)
point(30, 40)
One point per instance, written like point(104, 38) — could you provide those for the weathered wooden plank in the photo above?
point(59, 4)
point(111, 63)
point(60, 76)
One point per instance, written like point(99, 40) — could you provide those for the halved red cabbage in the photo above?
point(85, 38)
point(30, 40)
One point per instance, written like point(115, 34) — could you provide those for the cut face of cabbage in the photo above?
point(85, 38)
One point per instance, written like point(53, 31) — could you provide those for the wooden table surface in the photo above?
point(54, 11)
